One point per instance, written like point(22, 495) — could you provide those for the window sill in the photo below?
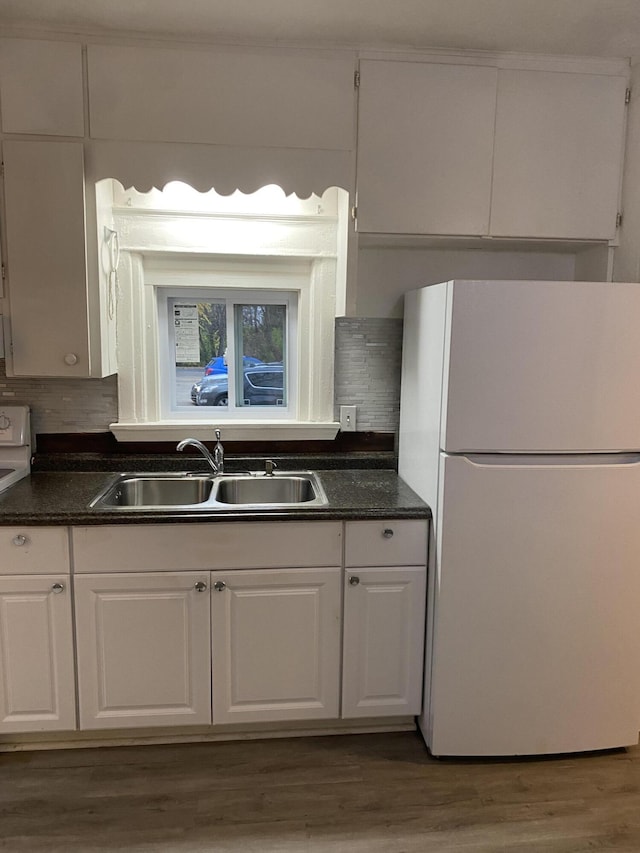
point(231, 430)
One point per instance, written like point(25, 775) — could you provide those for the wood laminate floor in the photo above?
point(348, 794)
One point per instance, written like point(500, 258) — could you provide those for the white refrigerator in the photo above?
point(520, 426)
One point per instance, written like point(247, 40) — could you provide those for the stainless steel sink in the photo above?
point(150, 491)
point(208, 493)
point(260, 490)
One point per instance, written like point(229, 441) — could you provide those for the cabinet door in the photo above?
point(384, 612)
point(143, 649)
point(44, 198)
point(276, 644)
point(558, 154)
point(37, 687)
point(243, 97)
point(425, 146)
point(41, 87)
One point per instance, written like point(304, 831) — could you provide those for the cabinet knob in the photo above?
point(57, 588)
point(219, 586)
point(71, 358)
point(354, 580)
point(19, 540)
point(200, 586)
point(387, 533)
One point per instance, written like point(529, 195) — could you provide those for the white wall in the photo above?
point(386, 273)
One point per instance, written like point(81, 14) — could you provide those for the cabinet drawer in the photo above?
point(242, 545)
point(386, 543)
point(34, 550)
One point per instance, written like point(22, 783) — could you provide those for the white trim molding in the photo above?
point(162, 251)
point(232, 431)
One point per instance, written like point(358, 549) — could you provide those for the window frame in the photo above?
point(216, 291)
point(140, 378)
point(311, 245)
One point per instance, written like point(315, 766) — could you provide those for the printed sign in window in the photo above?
point(187, 335)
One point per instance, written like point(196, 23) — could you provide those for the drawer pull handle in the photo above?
point(354, 580)
point(57, 588)
point(20, 540)
point(219, 586)
point(387, 533)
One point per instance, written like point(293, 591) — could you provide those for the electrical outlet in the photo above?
point(348, 418)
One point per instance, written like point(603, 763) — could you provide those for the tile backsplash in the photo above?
point(367, 371)
point(64, 405)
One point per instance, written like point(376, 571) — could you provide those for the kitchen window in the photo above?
point(234, 350)
point(225, 317)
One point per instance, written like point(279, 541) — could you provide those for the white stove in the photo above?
point(15, 444)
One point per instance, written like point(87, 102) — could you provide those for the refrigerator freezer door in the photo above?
point(542, 366)
point(536, 591)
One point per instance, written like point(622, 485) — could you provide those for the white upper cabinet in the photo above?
point(425, 146)
point(487, 151)
point(41, 87)
point(59, 313)
point(46, 258)
point(558, 154)
point(230, 97)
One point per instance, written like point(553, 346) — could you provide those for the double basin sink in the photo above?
point(208, 492)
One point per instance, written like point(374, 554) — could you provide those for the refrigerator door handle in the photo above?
point(550, 460)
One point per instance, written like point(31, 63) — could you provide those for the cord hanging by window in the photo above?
point(113, 246)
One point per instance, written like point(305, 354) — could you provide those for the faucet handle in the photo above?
point(217, 434)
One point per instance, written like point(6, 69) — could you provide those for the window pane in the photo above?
point(200, 334)
point(260, 338)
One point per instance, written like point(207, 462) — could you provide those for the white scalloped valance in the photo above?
point(145, 165)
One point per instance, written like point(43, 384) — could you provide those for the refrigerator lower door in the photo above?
point(535, 637)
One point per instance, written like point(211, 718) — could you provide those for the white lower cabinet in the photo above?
point(37, 685)
point(276, 644)
point(244, 634)
point(384, 613)
point(143, 649)
point(383, 641)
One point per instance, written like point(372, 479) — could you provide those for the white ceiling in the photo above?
point(580, 27)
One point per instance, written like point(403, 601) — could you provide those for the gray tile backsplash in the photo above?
point(367, 369)
point(64, 405)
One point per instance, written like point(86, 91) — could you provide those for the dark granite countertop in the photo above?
point(63, 497)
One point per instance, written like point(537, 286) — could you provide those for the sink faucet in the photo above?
point(269, 465)
point(216, 461)
point(218, 454)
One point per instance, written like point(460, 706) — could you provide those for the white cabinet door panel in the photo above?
point(41, 87)
point(46, 258)
point(37, 684)
point(558, 154)
point(535, 641)
point(276, 645)
point(240, 97)
point(383, 641)
point(425, 147)
point(34, 550)
point(386, 542)
point(143, 649)
point(169, 547)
